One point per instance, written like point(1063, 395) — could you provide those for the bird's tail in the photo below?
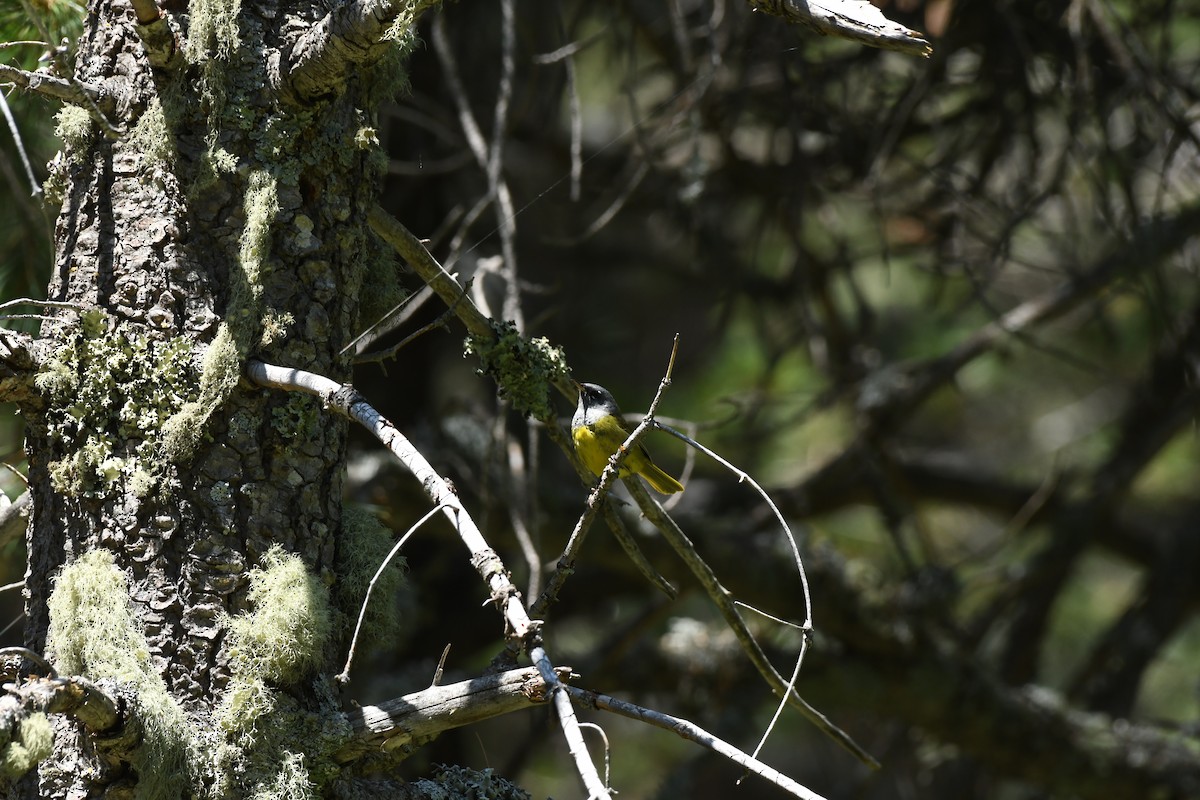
point(660, 481)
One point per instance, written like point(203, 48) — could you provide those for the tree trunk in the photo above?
point(215, 213)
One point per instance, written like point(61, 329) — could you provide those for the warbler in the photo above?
point(599, 430)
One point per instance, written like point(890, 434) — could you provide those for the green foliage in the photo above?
point(94, 633)
point(523, 368)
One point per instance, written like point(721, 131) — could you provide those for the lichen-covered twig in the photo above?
point(69, 91)
point(353, 33)
point(478, 325)
point(596, 501)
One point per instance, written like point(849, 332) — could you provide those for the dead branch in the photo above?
point(856, 20)
point(414, 719)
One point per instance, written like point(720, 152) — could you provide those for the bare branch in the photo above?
point(162, 48)
point(418, 717)
point(447, 288)
point(74, 696)
point(13, 517)
point(694, 733)
point(344, 675)
point(722, 598)
point(69, 91)
point(856, 20)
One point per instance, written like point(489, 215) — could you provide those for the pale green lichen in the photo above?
point(77, 129)
point(220, 372)
point(152, 137)
point(283, 638)
point(291, 782)
point(213, 29)
point(274, 748)
point(523, 368)
point(261, 206)
point(300, 418)
point(110, 391)
point(32, 744)
point(94, 633)
point(459, 783)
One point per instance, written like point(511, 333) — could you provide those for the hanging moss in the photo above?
point(272, 746)
point(94, 633)
point(33, 743)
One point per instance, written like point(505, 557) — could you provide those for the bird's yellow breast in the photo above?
point(596, 444)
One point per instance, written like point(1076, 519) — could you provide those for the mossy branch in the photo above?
point(354, 33)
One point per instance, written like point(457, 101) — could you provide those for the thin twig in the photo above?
point(20, 142)
point(518, 513)
point(591, 726)
point(721, 597)
point(744, 477)
point(597, 499)
point(570, 725)
point(380, 356)
point(29, 655)
point(69, 91)
point(424, 264)
point(691, 732)
point(344, 676)
point(491, 157)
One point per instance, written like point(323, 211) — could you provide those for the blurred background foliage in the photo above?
point(837, 235)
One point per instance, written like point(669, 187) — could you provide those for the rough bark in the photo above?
point(205, 220)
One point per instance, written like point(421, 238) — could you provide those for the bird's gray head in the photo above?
point(594, 402)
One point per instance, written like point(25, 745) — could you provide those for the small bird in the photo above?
point(598, 430)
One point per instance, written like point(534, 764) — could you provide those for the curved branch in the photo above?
point(694, 733)
point(722, 599)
